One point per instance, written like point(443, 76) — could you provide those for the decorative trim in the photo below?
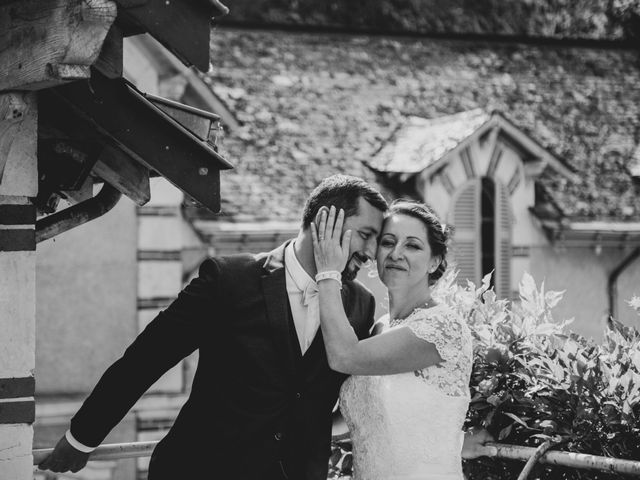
point(495, 160)
point(465, 155)
point(160, 255)
point(448, 184)
point(17, 240)
point(17, 387)
point(514, 181)
point(23, 411)
point(17, 214)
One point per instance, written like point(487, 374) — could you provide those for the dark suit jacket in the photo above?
point(254, 400)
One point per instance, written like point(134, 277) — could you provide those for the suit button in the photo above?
point(278, 436)
point(298, 395)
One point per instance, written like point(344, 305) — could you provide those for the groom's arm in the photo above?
point(171, 336)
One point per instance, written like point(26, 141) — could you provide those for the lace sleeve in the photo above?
point(440, 327)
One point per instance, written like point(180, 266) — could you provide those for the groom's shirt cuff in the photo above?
point(76, 444)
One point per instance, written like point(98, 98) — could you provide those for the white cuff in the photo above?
point(76, 444)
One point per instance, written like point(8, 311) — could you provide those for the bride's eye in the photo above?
point(386, 243)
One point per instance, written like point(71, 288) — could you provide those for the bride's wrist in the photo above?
point(329, 275)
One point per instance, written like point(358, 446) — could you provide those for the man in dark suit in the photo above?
point(261, 400)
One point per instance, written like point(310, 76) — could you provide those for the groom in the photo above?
point(261, 400)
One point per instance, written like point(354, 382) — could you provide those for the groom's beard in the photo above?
point(356, 261)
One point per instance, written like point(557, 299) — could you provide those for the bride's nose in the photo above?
point(396, 252)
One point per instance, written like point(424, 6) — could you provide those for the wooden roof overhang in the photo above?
point(93, 125)
point(106, 130)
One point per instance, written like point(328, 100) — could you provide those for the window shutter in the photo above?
point(466, 237)
point(503, 242)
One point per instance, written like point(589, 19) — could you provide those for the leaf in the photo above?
point(516, 418)
point(527, 287)
point(505, 432)
point(552, 298)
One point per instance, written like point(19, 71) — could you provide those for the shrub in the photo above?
point(533, 381)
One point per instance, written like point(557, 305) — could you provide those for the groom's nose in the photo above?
point(370, 248)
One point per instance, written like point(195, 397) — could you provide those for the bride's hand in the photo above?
point(329, 250)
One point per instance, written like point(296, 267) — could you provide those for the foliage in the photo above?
point(533, 381)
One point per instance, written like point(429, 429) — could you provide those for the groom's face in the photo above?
point(365, 227)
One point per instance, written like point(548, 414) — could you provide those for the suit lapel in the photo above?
point(274, 288)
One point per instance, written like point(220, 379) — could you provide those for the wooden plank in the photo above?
point(196, 121)
point(128, 176)
point(48, 42)
point(109, 62)
point(182, 26)
point(146, 134)
point(17, 387)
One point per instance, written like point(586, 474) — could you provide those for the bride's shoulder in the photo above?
point(438, 314)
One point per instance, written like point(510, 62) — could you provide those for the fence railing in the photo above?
point(117, 451)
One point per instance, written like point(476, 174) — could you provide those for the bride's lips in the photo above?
point(394, 267)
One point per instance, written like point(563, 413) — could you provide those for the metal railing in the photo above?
point(117, 451)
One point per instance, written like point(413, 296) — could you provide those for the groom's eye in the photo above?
point(365, 235)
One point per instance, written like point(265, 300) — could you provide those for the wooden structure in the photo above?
point(68, 121)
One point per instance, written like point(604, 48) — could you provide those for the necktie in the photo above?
point(310, 300)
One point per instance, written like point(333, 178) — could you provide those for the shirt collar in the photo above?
point(298, 274)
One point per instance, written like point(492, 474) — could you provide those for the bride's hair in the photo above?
point(438, 234)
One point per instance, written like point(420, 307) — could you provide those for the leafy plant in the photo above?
point(532, 380)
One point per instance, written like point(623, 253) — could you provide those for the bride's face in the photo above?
point(404, 255)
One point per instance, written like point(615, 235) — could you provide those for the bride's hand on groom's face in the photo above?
point(330, 246)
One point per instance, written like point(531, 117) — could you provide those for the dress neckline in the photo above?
point(397, 321)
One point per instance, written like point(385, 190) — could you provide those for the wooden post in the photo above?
point(44, 43)
point(18, 186)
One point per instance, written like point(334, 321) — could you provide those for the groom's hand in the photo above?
point(64, 458)
point(474, 440)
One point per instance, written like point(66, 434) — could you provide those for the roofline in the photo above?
point(533, 145)
point(592, 233)
point(591, 43)
point(496, 120)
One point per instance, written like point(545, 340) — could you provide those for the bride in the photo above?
point(407, 398)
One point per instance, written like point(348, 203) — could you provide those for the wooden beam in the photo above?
point(44, 43)
point(182, 26)
point(109, 62)
point(128, 176)
point(112, 112)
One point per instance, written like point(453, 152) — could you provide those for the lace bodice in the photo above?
point(451, 336)
point(409, 425)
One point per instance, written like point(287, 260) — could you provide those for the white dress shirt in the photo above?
point(302, 291)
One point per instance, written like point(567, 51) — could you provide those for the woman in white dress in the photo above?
point(406, 400)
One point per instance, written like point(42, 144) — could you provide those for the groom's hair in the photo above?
point(341, 191)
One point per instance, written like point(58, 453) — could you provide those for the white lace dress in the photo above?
point(409, 426)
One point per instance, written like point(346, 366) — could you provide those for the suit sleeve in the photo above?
point(171, 336)
point(370, 318)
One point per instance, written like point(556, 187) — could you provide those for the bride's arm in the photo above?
point(395, 351)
